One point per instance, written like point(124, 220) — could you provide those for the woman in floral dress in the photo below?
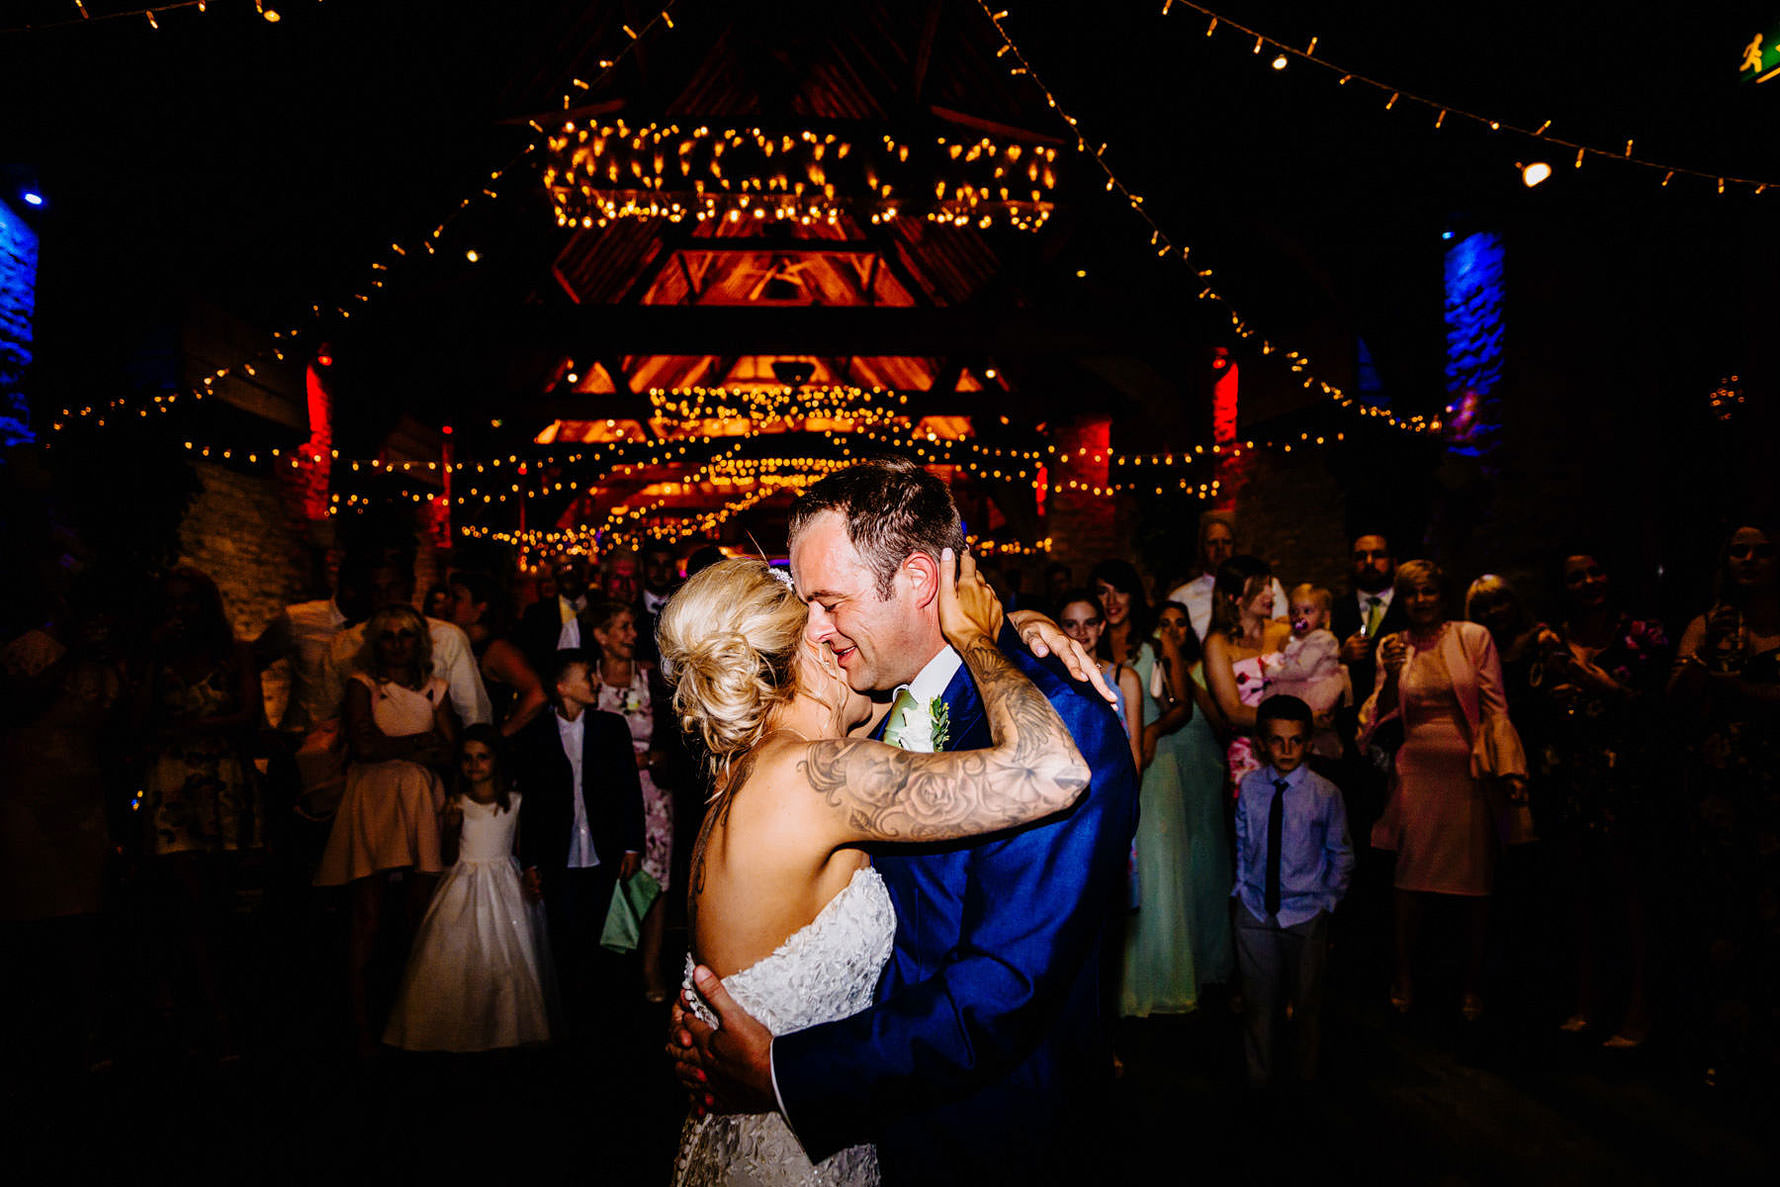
point(633, 690)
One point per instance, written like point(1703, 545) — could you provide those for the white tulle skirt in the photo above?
point(480, 976)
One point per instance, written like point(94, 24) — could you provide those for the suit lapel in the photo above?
point(964, 712)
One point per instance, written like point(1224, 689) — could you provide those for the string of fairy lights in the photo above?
point(599, 173)
point(149, 16)
point(1278, 55)
point(875, 417)
point(380, 267)
point(1166, 246)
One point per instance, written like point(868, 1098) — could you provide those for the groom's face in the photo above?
point(878, 643)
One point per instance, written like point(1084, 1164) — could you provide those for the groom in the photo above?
point(981, 1058)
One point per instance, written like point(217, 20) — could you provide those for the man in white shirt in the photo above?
point(1217, 544)
point(304, 634)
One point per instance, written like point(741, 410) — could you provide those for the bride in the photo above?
point(784, 906)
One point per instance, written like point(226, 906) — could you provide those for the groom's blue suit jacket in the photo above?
point(988, 1038)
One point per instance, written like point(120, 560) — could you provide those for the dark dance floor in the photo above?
point(1421, 1099)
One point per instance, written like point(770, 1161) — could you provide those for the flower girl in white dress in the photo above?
point(479, 976)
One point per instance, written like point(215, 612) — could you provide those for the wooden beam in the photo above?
point(924, 51)
point(991, 128)
point(590, 331)
point(871, 279)
point(691, 283)
point(615, 372)
point(636, 406)
point(777, 246)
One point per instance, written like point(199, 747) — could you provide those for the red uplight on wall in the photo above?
point(324, 359)
point(446, 429)
point(1224, 397)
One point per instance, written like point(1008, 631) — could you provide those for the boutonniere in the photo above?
point(632, 702)
point(942, 723)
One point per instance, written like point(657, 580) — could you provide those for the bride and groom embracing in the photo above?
point(879, 997)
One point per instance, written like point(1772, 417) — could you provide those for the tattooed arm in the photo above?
point(876, 792)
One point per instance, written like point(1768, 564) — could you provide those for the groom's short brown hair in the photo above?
point(892, 507)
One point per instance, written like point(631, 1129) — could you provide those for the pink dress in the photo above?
point(1441, 819)
point(389, 816)
point(1251, 689)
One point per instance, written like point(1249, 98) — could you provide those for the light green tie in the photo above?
point(1374, 616)
point(899, 717)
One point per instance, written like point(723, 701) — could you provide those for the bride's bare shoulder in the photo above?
point(770, 775)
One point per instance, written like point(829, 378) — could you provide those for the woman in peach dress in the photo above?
point(1440, 682)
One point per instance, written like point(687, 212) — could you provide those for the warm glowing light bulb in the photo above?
point(473, 257)
point(271, 14)
point(1279, 63)
point(1535, 173)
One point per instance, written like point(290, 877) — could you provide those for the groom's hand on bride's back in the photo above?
point(726, 1068)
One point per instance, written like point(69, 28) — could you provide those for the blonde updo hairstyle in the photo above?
point(729, 642)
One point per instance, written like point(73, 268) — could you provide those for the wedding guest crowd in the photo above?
point(485, 797)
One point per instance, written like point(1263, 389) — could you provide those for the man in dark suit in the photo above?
point(1367, 614)
point(1360, 619)
point(580, 828)
point(544, 619)
point(661, 577)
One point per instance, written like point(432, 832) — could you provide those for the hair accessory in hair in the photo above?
point(784, 575)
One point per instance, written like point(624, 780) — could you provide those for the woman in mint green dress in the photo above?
point(1160, 972)
point(1198, 755)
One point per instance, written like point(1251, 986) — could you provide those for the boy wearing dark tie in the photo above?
point(1293, 860)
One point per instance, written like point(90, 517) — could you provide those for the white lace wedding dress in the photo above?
point(826, 970)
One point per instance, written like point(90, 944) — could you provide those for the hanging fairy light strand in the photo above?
point(149, 16)
point(1166, 246)
point(1280, 54)
point(321, 315)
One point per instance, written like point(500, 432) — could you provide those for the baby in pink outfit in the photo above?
point(1310, 666)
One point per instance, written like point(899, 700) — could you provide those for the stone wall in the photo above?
point(248, 531)
point(1292, 513)
point(242, 532)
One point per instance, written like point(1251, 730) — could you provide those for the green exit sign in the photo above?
point(1761, 57)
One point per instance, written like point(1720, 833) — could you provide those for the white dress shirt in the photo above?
point(929, 684)
point(570, 635)
point(1363, 600)
point(574, 735)
point(311, 628)
point(1196, 596)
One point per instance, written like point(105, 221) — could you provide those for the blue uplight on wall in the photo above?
point(18, 300)
point(1476, 301)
